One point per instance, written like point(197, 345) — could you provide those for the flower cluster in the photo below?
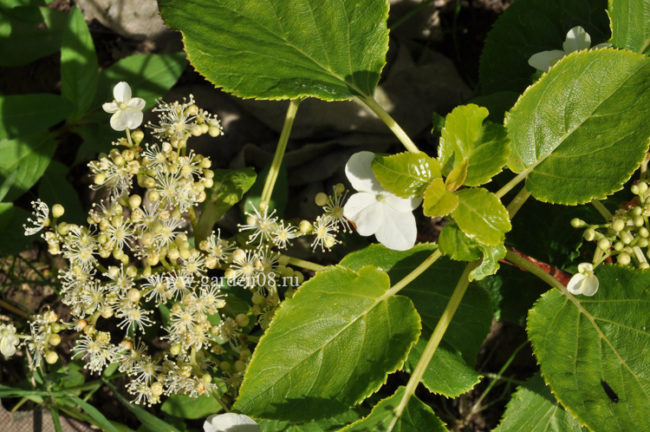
point(576, 39)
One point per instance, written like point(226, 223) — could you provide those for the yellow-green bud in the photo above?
point(51, 357)
point(618, 225)
point(137, 136)
point(242, 320)
point(240, 366)
point(135, 201)
point(57, 210)
point(54, 339)
point(305, 227)
point(320, 199)
point(604, 244)
point(623, 259)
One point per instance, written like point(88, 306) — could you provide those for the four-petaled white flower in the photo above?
point(126, 110)
point(585, 281)
point(576, 39)
point(230, 422)
point(8, 340)
point(376, 211)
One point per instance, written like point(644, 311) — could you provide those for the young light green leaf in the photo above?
point(329, 347)
point(490, 263)
point(417, 416)
point(405, 174)
point(533, 408)
point(229, 188)
point(457, 175)
point(466, 331)
point(481, 216)
point(78, 64)
point(630, 21)
point(599, 345)
point(26, 160)
point(28, 114)
point(329, 49)
point(438, 201)
point(454, 243)
point(465, 137)
point(191, 407)
point(581, 144)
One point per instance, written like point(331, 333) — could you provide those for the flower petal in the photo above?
point(359, 172)
point(363, 209)
point(230, 422)
point(136, 103)
point(545, 59)
point(122, 92)
point(119, 120)
point(110, 107)
point(576, 39)
point(134, 118)
point(401, 204)
point(397, 230)
point(585, 268)
point(590, 285)
point(575, 284)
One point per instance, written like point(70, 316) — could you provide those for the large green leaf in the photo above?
point(630, 20)
point(11, 228)
point(329, 347)
point(595, 351)
point(417, 416)
point(31, 113)
point(581, 130)
point(430, 293)
point(330, 424)
point(465, 136)
point(25, 160)
point(191, 407)
point(78, 63)
point(528, 27)
point(330, 49)
point(405, 174)
point(533, 408)
point(481, 216)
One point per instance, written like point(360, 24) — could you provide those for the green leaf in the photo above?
point(329, 347)
point(191, 408)
point(95, 414)
point(28, 33)
point(481, 216)
point(78, 63)
point(533, 408)
point(465, 137)
point(330, 49)
point(582, 342)
point(490, 263)
point(325, 425)
point(31, 113)
point(417, 416)
point(28, 158)
point(405, 174)
point(528, 27)
point(149, 75)
point(229, 188)
point(11, 228)
point(55, 188)
point(430, 293)
point(572, 132)
point(454, 243)
point(630, 21)
point(438, 201)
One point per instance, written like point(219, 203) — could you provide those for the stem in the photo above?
point(434, 341)
point(128, 137)
point(304, 263)
point(390, 122)
point(193, 221)
point(14, 310)
point(518, 201)
point(279, 153)
point(532, 268)
point(511, 184)
point(601, 209)
point(415, 273)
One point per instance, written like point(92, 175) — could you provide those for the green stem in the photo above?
point(414, 273)
point(128, 137)
point(279, 154)
point(304, 263)
point(518, 201)
point(602, 209)
point(434, 342)
point(536, 271)
point(390, 122)
point(512, 183)
point(193, 221)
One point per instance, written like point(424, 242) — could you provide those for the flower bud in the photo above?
point(57, 211)
point(578, 223)
point(623, 259)
point(320, 199)
point(305, 227)
point(604, 244)
point(618, 224)
point(137, 136)
point(242, 320)
point(54, 339)
point(51, 357)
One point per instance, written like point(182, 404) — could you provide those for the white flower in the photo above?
point(8, 340)
point(584, 282)
point(576, 39)
point(127, 111)
point(376, 211)
point(230, 422)
point(41, 219)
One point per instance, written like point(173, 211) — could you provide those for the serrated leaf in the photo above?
point(571, 131)
point(405, 174)
point(602, 338)
point(191, 407)
point(26, 160)
point(490, 263)
point(481, 216)
point(229, 188)
point(528, 27)
point(330, 49)
point(466, 137)
point(533, 408)
point(28, 114)
point(430, 293)
point(79, 72)
point(630, 21)
point(438, 201)
point(329, 347)
point(325, 425)
point(417, 416)
point(454, 243)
